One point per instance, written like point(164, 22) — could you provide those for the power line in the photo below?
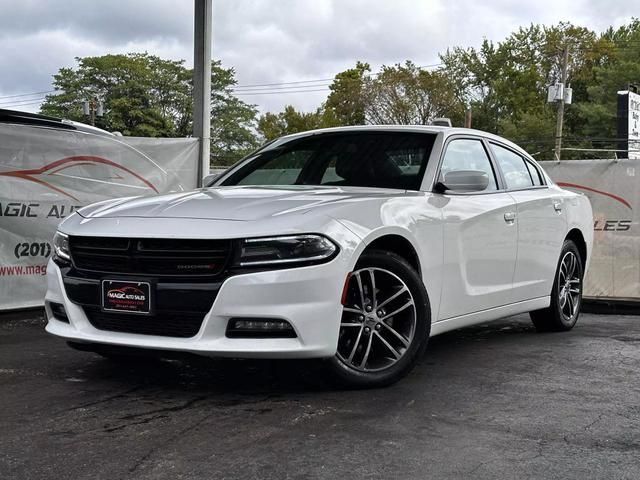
point(26, 94)
point(21, 100)
point(22, 103)
point(293, 87)
point(13, 107)
point(273, 93)
point(322, 82)
point(577, 139)
point(12, 99)
point(317, 80)
point(10, 107)
point(283, 83)
point(299, 87)
point(283, 89)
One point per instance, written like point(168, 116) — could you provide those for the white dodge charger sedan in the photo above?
point(351, 244)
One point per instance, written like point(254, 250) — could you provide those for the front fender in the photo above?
point(418, 220)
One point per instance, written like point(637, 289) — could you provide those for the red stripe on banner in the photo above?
point(37, 180)
point(589, 189)
point(66, 163)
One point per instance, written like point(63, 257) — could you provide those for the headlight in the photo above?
point(61, 246)
point(285, 250)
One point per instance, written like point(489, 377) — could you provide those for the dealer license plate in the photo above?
point(126, 296)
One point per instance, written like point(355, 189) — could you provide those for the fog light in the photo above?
point(58, 311)
point(259, 328)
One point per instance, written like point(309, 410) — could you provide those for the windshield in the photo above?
point(360, 159)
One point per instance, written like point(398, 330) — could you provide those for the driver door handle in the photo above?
point(510, 217)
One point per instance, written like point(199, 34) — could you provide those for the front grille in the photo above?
point(150, 256)
point(165, 324)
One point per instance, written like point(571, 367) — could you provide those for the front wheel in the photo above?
point(385, 322)
point(566, 296)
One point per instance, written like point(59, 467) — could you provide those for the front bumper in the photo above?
point(308, 298)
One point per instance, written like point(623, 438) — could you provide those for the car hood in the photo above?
point(233, 203)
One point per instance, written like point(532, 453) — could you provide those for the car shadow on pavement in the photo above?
point(253, 376)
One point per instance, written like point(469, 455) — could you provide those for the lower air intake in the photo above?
point(179, 325)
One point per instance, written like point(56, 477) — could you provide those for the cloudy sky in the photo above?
point(267, 41)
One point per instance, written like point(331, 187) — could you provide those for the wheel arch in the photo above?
point(427, 262)
point(398, 244)
point(576, 236)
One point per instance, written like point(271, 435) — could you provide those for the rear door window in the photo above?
point(514, 168)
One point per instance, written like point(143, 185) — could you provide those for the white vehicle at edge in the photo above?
point(352, 244)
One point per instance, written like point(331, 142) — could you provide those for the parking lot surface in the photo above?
point(494, 401)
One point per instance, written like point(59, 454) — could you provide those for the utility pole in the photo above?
point(202, 84)
point(92, 108)
point(467, 118)
point(560, 118)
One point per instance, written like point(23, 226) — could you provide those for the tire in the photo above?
point(566, 295)
point(393, 327)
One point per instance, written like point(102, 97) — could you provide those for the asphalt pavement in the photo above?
point(493, 401)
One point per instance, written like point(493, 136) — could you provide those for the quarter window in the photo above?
point(535, 174)
point(467, 154)
point(514, 169)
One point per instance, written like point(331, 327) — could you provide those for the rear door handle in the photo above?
point(510, 217)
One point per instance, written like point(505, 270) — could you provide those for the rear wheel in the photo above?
point(566, 296)
point(385, 322)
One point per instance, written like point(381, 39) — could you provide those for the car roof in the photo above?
point(372, 128)
point(36, 119)
point(488, 136)
point(446, 131)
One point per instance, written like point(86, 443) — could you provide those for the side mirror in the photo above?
point(464, 181)
point(209, 179)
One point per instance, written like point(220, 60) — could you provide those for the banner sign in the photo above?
point(48, 173)
point(628, 120)
point(612, 187)
point(177, 156)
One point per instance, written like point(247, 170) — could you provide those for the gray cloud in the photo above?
point(268, 41)
point(102, 22)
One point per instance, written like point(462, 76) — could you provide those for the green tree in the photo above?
point(141, 93)
point(616, 64)
point(345, 105)
point(233, 122)
point(408, 95)
point(145, 95)
point(347, 102)
point(505, 84)
point(274, 125)
point(401, 94)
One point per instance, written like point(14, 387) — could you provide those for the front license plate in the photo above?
point(121, 296)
